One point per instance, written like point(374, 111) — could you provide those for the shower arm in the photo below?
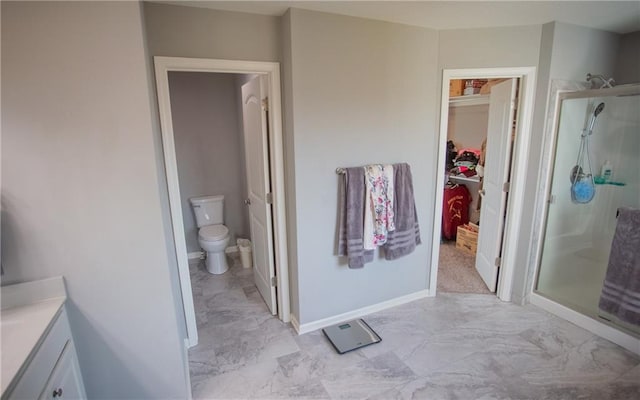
point(606, 83)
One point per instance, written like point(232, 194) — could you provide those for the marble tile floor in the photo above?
point(453, 346)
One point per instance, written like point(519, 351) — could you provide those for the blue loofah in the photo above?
point(583, 191)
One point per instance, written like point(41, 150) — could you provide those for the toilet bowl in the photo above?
point(213, 239)
point(213, 236)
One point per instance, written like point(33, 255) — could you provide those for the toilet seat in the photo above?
point(212, 233)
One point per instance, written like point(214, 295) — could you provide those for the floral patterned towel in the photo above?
point(379, 216)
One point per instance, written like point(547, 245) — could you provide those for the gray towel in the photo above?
point(406, 236)
point(621, 291)
point(351, 219)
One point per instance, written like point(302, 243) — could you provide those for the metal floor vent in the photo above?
point(351, 335)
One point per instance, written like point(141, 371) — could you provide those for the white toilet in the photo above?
point(213, 236)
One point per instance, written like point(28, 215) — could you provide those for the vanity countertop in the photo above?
point(28, 312)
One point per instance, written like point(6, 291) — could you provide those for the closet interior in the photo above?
point(467, 134)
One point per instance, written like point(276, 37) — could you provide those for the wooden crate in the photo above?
point(467, 239)
point(486, 88)
point(456, 87)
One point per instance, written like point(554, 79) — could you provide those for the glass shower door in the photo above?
point(578, 235)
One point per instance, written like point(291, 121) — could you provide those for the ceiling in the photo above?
point(614, 16)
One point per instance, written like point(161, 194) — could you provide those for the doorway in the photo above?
point(481, 129)
point(484, 147)
point(272, 145)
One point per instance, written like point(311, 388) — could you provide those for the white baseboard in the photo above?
point(295, 323)
point(186, 369)
point(196, 255)
point(594, 326)
point(321, 323)
point(231, 249)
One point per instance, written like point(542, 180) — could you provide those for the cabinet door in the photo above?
point(65, 381)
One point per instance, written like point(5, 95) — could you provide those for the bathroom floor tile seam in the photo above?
point(450, 346)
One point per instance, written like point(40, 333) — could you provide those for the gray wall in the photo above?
point(578, 50)
point(500, 47)
point(521, 285)
point(81, 189)
point(467, 125)
point(489, 47)
point(209, 147)
point(77, 133)
point(568, 52)
point(628, 60)
point(198, 32)
point(559, 51)
point(363, 92)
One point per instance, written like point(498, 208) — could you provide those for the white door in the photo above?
point(496, 174)
point(256, 149)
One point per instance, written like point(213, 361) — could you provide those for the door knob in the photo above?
point(247, 202)
point(482, 193)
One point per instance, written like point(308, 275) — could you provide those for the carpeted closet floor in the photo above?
point(457, 272)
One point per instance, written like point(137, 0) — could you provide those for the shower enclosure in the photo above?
point(577, 235)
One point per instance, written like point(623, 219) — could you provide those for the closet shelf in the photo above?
point(469, 100)
point(462, 178)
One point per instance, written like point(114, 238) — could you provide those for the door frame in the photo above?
point(164, 65)
point(519, 165)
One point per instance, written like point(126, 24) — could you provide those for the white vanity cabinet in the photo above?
point(53, 372)
point(39, 359)
point(65, 381)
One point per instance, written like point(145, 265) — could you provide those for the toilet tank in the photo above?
point(209, 210)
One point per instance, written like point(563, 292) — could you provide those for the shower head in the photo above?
point(598, 109)
point(592, 119)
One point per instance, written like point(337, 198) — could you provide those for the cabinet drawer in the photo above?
point(39, 368)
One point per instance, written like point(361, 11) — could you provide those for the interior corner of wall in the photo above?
point(520, 300)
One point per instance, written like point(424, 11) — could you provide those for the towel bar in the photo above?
point(342, 171)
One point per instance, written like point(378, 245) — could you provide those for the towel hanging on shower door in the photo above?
point(620, 295)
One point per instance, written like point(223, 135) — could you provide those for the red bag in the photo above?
point(455, 209)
